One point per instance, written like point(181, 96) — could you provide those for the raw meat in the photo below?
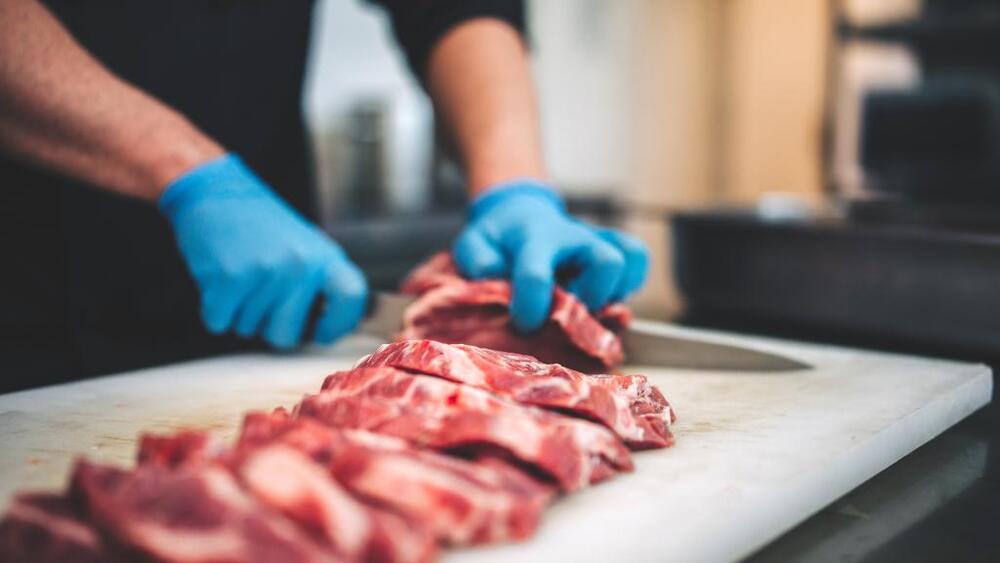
point(636, 411)
point(46, 527)
point(422, 443)
point(184, 447)
point(436, 271)
point(441, 414)
point(455, 310)
point(286, 480)
point(460, 501)
point(190, 514)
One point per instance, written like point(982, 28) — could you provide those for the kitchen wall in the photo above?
point(354, 65)
point(663, 104)
point(578, 48)
point(694, 103)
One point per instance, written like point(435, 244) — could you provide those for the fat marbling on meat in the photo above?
point(441, 414)
point(460, 501)
point(627, 404)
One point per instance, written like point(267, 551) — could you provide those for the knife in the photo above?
point(643, 345)
point(648, 347)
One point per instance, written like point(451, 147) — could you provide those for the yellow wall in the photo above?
point(727, 104)
point(773, 101)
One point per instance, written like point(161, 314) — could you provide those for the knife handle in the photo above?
point(318, 307)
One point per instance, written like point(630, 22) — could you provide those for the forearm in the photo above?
point(481, 82)
point(63, 110)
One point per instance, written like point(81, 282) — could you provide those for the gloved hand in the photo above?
point(521, 230)
point(259, 264)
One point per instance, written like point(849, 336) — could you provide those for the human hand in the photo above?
point(259, 265)
point(521, 231)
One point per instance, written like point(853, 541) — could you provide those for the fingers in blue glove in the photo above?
point(476, 257)
point(636, 262)
point(288, 319)
point(277, 283)
point(221, 299)
point(345, 292)
point(602, 266)
point(533, 280)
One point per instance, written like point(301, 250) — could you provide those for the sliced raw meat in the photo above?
point(285, 479)
point(288, 481)
point(626, 404)
point(514, 479)
point(460, 501)
point(442, 414)
point(44, 528)
point(186, 446)
point(191, 514)
point(644, 398)
point(437, 270)
point(452, 309)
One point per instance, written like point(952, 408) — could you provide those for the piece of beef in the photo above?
point(47, 528)
point(462, 502)
point(284, 479)
point(636, 411)
point(184, 447)
point(644, 398)
point(441, 414)
point(287, 480)
point(456, 310)
point(195, 513)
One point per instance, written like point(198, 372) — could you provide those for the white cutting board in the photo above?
point(755, 453)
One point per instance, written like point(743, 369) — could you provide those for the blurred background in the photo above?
point(809, 163)
point(650, 103)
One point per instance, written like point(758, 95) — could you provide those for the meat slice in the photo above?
point(287, 481)
point(180, 448)
point(628, 405)
point(452, 309)
point(462, 502)
point(441, 414)
point(436, 271)
point(190, 514)
point(47, 528)
point(645, 399)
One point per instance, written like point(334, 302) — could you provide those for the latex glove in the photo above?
point(259, 265)
point(521, 230)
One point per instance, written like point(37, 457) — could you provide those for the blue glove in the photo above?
point(259, 264)
point(521, 230)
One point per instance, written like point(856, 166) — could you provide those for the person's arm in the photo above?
point(481, 83)
point(258, 264)
point(479, 77)
point(471, 57)
point(63, 110)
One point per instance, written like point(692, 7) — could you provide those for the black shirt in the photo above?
point(92, 282)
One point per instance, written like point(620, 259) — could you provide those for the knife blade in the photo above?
point(642, 345)
point(645, 346)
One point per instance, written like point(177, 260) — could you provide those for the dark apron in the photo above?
point(92, 283)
